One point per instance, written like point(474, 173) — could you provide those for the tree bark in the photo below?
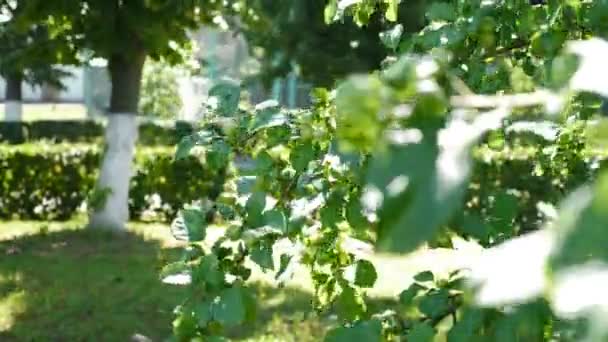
point(13, 97)
point(126, 73)
point(121, 135)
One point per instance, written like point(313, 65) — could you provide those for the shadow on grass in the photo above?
point(80, 285)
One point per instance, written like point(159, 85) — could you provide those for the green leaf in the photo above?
point(332, 212)
point(504, 210)
point(562, 69)
point(581, 226)
point(465, 329)
point(402, 74)
point(267, 116)
point(441, 11)
point(217, 155)
point(424, 276)
point(597, 134)
point(276, 219)
point(392, 10)
point(407, 179)
point(184, 327)
point(349, 305)
point(190, 225)
point(256, 203)
point(365, 274)
point(421, 332)
point(261, 254)
point(434, 304)
point(230, 308)
point(245, 184)
point(354, 214)
point(391, 38)
point(473, 225)
point(358, 103)
point(302, 155)
point(526, 323)
point(407, 296)
point(209, 272)
point(363, 10)
point(227, 93)
point(204, 312)
point(282, 273)
point(184, 147)
point(196, 223)
point(331, 9)
point(187, 143)
point(368, 331)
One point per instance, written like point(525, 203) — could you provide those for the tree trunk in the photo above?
point(121, 135)
point(13, 100)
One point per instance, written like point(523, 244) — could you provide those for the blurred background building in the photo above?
point(222, 54)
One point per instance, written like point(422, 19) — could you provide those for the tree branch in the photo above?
point(537, 98)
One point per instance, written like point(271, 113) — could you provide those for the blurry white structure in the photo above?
point(222, 53)
point(193, 92)
point(74, 91)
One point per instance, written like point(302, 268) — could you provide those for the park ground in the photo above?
point(59, 282)
point(50, 111)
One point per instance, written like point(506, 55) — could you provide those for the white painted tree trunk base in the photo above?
point(116, 172)
point(13, 111)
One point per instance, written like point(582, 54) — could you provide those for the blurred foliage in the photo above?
point(31, 52)
point(160, 91)
point(321, 53)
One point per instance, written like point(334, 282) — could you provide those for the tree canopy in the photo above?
point(32, 52)
point(293, 34)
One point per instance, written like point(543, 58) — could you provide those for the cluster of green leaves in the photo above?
point(387, 161)
point(127, 27)
point(321, 53)
point(286, 184)
point(30, 52)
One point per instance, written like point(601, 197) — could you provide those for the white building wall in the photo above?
point(74, 91)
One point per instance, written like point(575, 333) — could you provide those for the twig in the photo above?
point(537, 98)
point(504, 50)
point(459, 85)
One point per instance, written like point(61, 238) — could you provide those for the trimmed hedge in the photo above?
point(82, 131)
point(51, 182)
point(513, 186)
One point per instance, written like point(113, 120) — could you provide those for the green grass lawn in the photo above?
point(51, 111)
point(62, 283)
point(59, 282)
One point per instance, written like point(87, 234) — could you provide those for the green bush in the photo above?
point(51, 182)
point(150, 134)
point(160, 91)
point(509, 182)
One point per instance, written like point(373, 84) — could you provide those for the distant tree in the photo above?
point(160, 96)
point(289, 33)
point(125, 32)
point(29, 54)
